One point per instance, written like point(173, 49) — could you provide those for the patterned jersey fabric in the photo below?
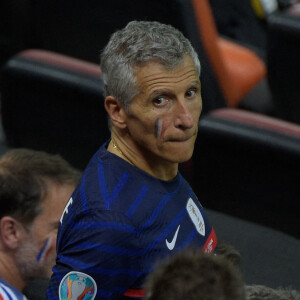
point(120, 222)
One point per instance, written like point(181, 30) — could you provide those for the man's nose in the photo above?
point(184, 118)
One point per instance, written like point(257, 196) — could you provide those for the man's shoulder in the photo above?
point(111, 183)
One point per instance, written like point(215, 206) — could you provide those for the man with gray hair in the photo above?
point(132, 206)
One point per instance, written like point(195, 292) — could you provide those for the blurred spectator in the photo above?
point(194, 275)
point(260, 292)
point(230, 253)
point(34, 188)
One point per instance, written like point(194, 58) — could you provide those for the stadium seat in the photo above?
point(81, 29)
point(283, 62)
point(242, 22)
point(16, 24)
point(54, 103)
point(248, 165)
point(237, 68)
point(268, 257)
point(230, 72)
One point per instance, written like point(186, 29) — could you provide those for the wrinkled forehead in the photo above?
point(154, 75)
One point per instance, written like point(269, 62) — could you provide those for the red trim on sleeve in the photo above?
point(135, 293)
point(211, 242)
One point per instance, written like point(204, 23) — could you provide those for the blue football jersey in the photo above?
point(119, 223)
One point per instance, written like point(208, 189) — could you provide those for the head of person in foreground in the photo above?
point(195, 275)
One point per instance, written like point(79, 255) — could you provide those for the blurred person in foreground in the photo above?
point(261, 292)
point(34, 189)
point(195, 275)
point(132, 206)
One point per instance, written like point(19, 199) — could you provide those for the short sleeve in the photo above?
point(98, 250)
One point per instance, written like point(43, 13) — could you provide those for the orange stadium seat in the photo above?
point(237, 68)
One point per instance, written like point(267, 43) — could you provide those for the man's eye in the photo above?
point(159, 101)
point(190, 93)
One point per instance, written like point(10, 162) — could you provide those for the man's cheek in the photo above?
point(47, 249)
point(158, 128)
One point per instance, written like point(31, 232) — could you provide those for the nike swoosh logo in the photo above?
point(171, 244)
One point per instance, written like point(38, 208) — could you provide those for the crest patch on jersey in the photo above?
point(77, 286)
point(195, 216)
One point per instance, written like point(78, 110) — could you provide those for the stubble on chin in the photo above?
point(28, 265)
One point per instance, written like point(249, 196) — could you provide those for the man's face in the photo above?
point(163, 118)
point(36, 256)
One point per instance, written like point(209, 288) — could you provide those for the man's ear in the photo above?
point(115, 111)
point(12, 232)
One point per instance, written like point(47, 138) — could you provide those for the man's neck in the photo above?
point(160, 169)
point(9, 272)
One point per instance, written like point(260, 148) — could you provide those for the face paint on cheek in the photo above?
point(46, 249)
point(158, 128)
